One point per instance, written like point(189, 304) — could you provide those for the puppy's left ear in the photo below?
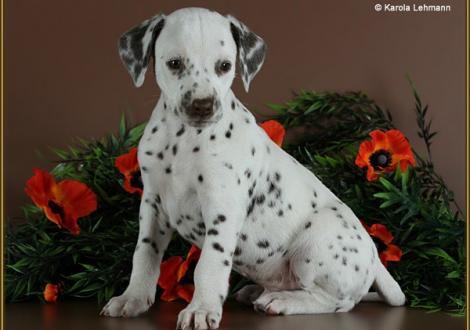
point(136, 46)
point(251, 50)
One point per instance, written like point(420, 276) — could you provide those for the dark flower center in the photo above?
point(56, 208)
point(136, 180)
point(380, 159)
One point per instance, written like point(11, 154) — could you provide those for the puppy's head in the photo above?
point(194, 53)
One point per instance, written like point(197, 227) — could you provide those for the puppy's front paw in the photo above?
point(128, 305)
point(199, 316)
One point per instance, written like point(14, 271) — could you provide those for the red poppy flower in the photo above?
point(172, 275)
point(392, 253)
point(51, 292)
point(128, 165)
point(275, 131)
point(384, 153)
point(387, 250)
point(63, 202)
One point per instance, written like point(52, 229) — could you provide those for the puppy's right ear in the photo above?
point(136, 46)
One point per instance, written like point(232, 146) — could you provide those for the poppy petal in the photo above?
point(185, 292)
point(381, 232)
point(169, 295)
point(127, 163)
point(398, 142)
point(51, 292)
point(129, 187)
point(39, 187)
point(365, 150)
point(274, 130)
point(77, 198)
point(379, 139)
point(193, 255)
point(168, 272)
point(371, 174)
point(392, 253)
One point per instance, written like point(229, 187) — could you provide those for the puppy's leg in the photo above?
point(249, 293)
point(223, 220)
point(153, 240)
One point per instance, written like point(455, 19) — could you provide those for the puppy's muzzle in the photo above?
point(201, 109)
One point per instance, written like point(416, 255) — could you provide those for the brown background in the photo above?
point(64, 79)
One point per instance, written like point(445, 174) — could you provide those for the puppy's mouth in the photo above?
point(199, 123)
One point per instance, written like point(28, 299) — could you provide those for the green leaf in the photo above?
point(437, 251)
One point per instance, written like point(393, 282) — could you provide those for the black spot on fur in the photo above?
point(149, 153)
point(175, 149)
point(243, 237)
point(196, 149)
point(226, 263)
point(154, 130)
point(168, 170)
point(308, 225)
point(200, 178)
point(217, 247)
point(264, 244)
point(181, 131)
point(213, 232)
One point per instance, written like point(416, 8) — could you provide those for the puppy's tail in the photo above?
point(387, 288)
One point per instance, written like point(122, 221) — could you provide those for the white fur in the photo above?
point(288, 232)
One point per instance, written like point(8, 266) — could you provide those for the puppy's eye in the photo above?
point(174, 64)
point(224, 67)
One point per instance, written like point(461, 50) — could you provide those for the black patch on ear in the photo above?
point(235, 34)
point(249, 61)
point(136, 54)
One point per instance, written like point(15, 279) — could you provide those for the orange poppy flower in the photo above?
point(275, 131)
point(63, 202)
point(172, 274)
point(51, 292)
point(384, 153)
point(389, 251)
point(128, 165)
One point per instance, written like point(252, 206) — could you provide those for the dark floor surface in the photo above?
point(83, 315)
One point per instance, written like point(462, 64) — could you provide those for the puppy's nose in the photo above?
point(201, 107)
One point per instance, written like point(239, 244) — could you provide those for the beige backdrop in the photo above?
point(64, 79)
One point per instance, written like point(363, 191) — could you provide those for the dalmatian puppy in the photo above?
point(213, 175)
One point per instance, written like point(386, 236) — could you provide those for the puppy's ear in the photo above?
point(136, 46)
point(251, 50)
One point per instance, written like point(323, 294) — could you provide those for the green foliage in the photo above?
point(416, 206)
